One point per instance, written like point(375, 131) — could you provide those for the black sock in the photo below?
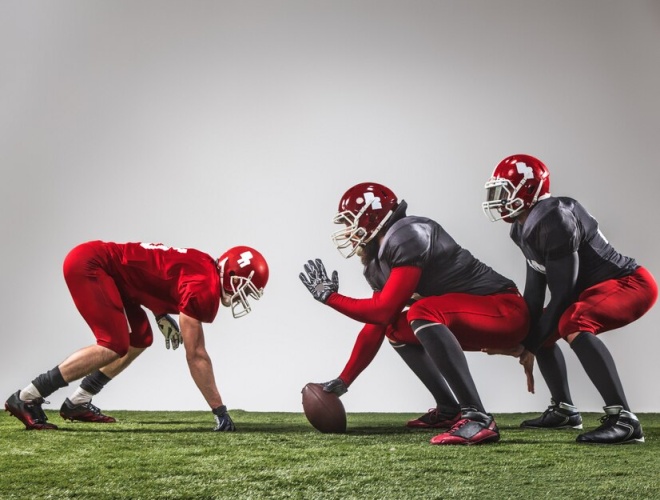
point(447, 354)
point(94, 382)
point(599, 365)
point(48, 382)
point(552, 366)
point(419, 362)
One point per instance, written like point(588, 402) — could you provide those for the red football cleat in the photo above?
point(474, 427)
point(29, 412)
point(435, 419)
point(84, 412)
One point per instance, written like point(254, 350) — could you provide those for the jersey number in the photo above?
point(160, 246)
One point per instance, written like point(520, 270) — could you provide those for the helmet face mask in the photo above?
point(349, 238)
point(243, 275)
point(241, 289)
point(363, 211)
point(516, 184)
point(502, 202)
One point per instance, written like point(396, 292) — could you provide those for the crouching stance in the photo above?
point(456, 303)
point(110, 283)
point(593, 289)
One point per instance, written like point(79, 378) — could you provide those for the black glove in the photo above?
point(337, 386)
point(317, 282)
point(170, 331)
point(223, 422)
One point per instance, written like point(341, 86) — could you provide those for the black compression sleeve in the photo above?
point(561, 275)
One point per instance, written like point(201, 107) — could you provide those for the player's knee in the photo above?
point(571, 336)
point(118, 347)
point(419, 312)
point(144, 341)
point(392, 334)
point(418, 325)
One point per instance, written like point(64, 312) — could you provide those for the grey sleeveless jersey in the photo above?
point(559, 226)
point(446, 266)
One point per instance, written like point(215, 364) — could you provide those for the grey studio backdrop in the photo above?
point(212, 124)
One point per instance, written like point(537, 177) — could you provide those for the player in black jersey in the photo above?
point(456, 303)
point(593, 289)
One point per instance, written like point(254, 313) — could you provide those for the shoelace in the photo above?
point(432, 413)
point(34, 407)
point(458, 425)
point(608, 421)
point(94, 409)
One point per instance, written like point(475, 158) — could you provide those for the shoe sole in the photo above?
point(28, 426)
point(88, 421)
point(469, 443)
point(563, 427)
point(630, 441)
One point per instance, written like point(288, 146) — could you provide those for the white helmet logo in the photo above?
point(372, 200)
point(245, 259)
point(523, 169)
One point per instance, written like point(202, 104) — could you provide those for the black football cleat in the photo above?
point(618, 426)
point(557, 416)
point(84, 412)
point(435, 418)
point(474, 427)
point(29, 412)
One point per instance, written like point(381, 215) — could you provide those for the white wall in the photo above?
point(211, 124)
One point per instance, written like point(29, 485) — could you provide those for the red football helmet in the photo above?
point(243, 274)
point(517, 183)
point(363, 211)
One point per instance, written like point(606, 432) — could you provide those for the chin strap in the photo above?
point(225, 298)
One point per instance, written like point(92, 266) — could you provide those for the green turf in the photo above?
point(278, 455)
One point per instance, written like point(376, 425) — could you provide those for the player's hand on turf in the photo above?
point(336, 385)
point(526, 359)
point(315, 278)
point(223, 422)
point(170, 331)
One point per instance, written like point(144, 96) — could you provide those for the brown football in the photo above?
point(324, 410)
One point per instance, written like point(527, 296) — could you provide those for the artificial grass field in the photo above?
point(278, 455)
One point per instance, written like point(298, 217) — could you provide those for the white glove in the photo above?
point(170, 331)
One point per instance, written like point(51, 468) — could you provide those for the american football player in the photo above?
point(111, 285)
point(432, 299)
point(593, 289)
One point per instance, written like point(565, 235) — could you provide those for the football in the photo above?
point(324, 410)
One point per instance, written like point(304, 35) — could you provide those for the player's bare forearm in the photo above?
point(507, 351)
point(199, 362)
point(201, 370)
point(526, 359)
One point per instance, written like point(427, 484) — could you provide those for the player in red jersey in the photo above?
point(593, 289)
point(111, 284)
point(456, 303)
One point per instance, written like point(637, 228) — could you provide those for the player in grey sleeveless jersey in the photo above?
point(593, 289)
point(456, 303)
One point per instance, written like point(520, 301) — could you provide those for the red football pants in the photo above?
point(610, 304)
point(477, 321)
point(116, 324)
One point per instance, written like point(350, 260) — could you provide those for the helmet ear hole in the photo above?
point(230, 278)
